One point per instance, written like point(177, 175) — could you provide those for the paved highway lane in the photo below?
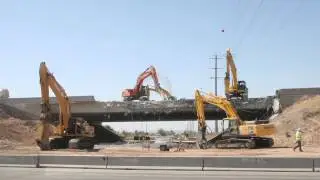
point(85, 174)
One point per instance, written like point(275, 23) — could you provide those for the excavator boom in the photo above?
point(48, 80)
point(151, 71)
point(220, 102)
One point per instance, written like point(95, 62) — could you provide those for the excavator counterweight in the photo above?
point(141, 92)
point(69, 132)
point(239, 133)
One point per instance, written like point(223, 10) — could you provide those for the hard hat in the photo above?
point(299, 129)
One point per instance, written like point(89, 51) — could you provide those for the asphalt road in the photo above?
point(85, 174)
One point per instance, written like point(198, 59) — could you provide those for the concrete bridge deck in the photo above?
point(118, 111)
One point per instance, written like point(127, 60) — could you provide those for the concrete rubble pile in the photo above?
point(304, 114)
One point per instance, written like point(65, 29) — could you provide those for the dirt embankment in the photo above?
point(16, 132)
point(304, 114)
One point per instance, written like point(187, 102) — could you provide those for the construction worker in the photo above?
point(298, 140)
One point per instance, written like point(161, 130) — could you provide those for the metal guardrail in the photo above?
point(197, 163)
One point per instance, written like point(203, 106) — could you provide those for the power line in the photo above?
point(215, 78)
point(215, 73)
point(247, 29)
point(285, 21)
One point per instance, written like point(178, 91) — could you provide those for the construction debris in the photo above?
point(304, 114)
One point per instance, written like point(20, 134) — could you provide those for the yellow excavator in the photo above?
point(245, 134)
point(237, 89)
point(68, 132)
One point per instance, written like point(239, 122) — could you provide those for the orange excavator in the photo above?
point(141, 92)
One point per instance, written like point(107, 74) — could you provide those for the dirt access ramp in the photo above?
point(304, 114)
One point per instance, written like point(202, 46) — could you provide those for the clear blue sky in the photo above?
point(99, 47)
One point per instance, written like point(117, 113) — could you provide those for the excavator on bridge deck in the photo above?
point(245, 134)
point(69, 132)
point(141, 92)
point(238, 89)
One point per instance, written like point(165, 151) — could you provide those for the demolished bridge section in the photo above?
point(118, 111)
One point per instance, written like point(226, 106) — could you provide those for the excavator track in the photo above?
point(81, 143)
point(58, 143)
point(228, 140)
point(67, 143)
point(53, 143)
point(248, 142)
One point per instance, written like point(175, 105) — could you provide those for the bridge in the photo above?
point(96, 112)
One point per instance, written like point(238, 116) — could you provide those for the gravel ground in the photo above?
point(309, 151)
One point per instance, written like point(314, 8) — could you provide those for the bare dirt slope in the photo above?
point(15, 132)
point(304, 114)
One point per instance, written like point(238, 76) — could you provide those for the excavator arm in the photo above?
point(151, 71)
point(140, 91)
point(220, 102)
point(231, 67)
point(164, 93)
point(236, 88)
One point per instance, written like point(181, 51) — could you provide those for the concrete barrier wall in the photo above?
point(238, 162)
point(22, 160)
point(156, 161)
point(73, 160)
point(200, 163)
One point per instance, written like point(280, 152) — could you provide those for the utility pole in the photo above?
point(215, 77)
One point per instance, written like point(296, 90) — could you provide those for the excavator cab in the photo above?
point(143, 94)
point(232, 126)
point(242, 86)
point(79, 127)
point(243, 90)
point(240, 93)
